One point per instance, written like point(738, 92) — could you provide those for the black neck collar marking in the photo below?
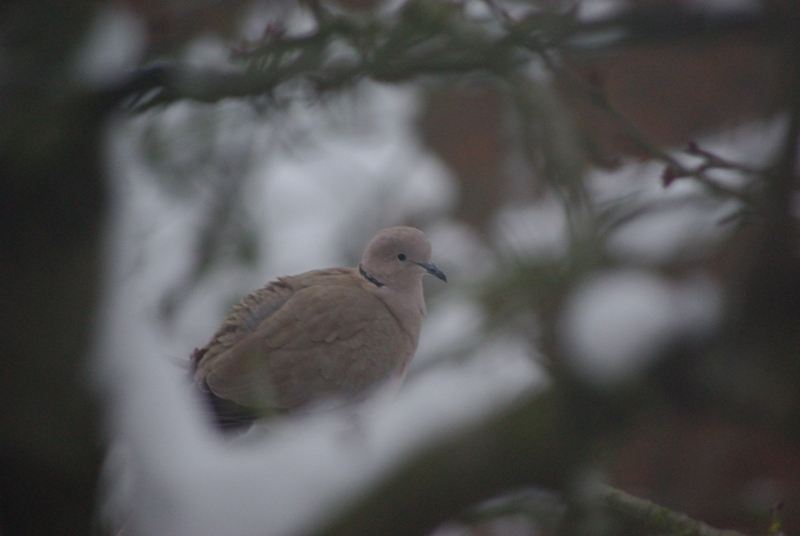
point(369, 278)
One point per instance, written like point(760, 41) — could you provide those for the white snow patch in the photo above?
point(616, 324)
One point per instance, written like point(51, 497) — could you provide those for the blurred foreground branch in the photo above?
point(52, 215)
point(533, 442)
point(540, 441)
point(428, 38)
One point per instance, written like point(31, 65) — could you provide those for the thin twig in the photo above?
point(659, 518)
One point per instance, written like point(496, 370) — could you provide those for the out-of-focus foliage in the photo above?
point(707, 423)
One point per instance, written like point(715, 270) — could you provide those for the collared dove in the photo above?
point(334, 333)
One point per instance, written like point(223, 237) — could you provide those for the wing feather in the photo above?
point(322, 341)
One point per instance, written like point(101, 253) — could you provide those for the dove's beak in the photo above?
point(433, 270)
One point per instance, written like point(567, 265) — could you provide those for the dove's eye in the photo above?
point(401, 256)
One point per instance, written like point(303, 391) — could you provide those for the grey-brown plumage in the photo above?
point(335, 333)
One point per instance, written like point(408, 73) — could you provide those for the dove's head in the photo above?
point(398, 257)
